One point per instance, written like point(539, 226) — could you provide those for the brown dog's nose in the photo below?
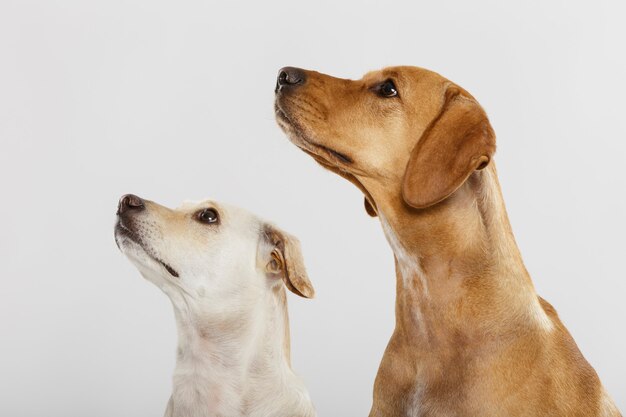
point(289, 77)
point(129, 202)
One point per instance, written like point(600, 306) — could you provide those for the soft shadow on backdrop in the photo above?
point(173, 101)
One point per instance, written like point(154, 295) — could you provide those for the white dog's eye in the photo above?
point(208, 216)
point(387, 89)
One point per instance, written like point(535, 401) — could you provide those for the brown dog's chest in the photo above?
point(531, 375)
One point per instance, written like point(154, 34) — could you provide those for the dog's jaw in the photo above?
point(133, 246)
point(333, 161)
point(298, 136)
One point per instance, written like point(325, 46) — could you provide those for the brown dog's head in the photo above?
point(401, 128)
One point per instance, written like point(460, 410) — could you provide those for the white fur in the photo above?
point(409, 264)
point(233, 357)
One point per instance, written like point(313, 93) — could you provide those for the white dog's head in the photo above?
point(211, 254)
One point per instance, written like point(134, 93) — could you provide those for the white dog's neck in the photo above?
point(238, 364)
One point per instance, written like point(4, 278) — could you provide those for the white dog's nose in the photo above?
point(129, 202)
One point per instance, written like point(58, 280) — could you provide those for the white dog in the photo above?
point(224, 270)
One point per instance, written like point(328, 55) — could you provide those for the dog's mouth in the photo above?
point(122, 232)
point(328, 158)
point(296, 134)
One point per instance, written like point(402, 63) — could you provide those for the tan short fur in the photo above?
point(472, 337)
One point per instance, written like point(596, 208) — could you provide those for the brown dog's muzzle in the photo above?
point(295, 106)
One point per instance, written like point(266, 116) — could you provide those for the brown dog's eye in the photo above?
point(207, 216)
point(387, 89)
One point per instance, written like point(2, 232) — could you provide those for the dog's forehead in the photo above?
point(226, 210)
point(187, 205)
point(402, 73)
point(381, 74)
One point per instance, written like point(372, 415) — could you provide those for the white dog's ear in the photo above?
point(283, 259)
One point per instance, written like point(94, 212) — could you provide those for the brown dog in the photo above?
point(472, 337)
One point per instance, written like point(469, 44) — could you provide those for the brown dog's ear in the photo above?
point(284, 260)
point(459, 141)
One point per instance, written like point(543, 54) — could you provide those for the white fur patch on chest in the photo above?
point(539, 315)
point(407, 262)
point(414, 406)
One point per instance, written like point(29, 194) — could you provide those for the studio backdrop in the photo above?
point(174, 101)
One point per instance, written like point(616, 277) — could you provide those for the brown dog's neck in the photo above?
point(457, 263)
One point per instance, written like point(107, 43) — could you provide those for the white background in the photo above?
point(173, 100)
